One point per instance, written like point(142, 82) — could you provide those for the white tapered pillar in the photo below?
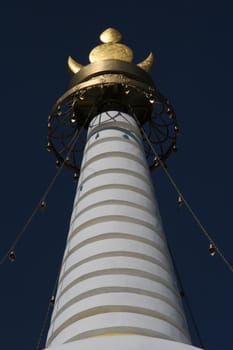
point(117, 286)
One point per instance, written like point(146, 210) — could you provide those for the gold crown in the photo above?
point(111, 49)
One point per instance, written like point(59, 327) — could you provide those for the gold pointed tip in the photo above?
point(110, 35)
point(74, 67)
point(146, 65)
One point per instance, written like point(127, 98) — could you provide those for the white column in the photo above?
point(116, 279)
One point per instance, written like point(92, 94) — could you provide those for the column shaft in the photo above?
point(116, 276)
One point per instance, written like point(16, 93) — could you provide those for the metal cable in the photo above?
point(225, 260)
point(38, 346)
point(204, 231)
point(50, 305)
point(31, 217)
point(182, 292)
point(71, 144)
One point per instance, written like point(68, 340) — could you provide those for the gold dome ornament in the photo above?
point(111, 49)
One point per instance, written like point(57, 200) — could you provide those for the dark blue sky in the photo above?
point(192, 44)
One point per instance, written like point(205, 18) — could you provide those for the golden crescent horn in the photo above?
point(147, 63)
point(74, 66)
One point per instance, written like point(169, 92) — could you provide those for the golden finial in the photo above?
point(110, 35)
point(111, 49)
